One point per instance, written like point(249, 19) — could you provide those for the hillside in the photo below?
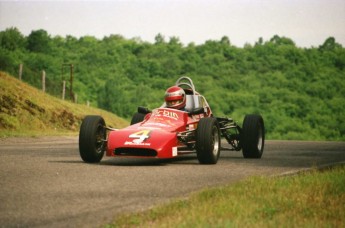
point(300, 92)
point(25, 110)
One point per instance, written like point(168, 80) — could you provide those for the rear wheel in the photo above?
point(92, 139)
point(208, 141)
point(253, 136)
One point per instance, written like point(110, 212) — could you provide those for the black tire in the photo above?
point(208, 141)
point(92, 139)
point(253, 136)
point(137, 118)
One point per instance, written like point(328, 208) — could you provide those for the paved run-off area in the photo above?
point(43, 181)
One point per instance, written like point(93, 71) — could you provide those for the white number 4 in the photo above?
point(140, 136)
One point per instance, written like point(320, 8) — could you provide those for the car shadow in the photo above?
point(125, 161)
point(190, 159)
point(129, 161)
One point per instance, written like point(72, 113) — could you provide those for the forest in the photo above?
point(300, 92)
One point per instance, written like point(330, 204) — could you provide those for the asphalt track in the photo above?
point(44, 183)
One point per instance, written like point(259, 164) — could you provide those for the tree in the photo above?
point(39, 41)
point(225, 40)
point(11, 39)
point(282, 40)
point(159, 39)
point(175, 41)
point(329, 45)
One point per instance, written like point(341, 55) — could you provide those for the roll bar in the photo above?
point(188, 83)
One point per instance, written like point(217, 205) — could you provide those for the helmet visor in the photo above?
point(174, 102)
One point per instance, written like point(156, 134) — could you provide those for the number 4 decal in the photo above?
point(140, 136)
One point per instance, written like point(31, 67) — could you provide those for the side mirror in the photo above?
point(197, 111)
point(143, 110)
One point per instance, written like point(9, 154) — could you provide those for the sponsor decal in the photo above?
point(157, 124)
point(137, 143)
point(166, 113)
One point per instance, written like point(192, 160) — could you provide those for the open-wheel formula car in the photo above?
point(167, 133)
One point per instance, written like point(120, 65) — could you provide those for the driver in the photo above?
point(175, 97)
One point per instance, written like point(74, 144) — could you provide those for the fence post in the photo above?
point(71, 79)
point(63, 89)
point(43, 81)
point(71, 83)
point(20, 71)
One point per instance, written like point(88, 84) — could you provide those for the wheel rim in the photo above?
point(100, 139)
point(215, 141)
point(260, 135)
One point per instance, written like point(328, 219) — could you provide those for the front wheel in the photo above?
point(208, 141)
point(253, 136)
point(92, 139)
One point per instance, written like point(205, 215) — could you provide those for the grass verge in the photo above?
point(311, 199)
point(27, 111)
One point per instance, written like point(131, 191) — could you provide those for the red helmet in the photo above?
point(175, 97)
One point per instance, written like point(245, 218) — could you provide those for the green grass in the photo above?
point(312, 199)
point(27, 111)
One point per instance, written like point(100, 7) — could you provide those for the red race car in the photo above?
point(167, 132)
